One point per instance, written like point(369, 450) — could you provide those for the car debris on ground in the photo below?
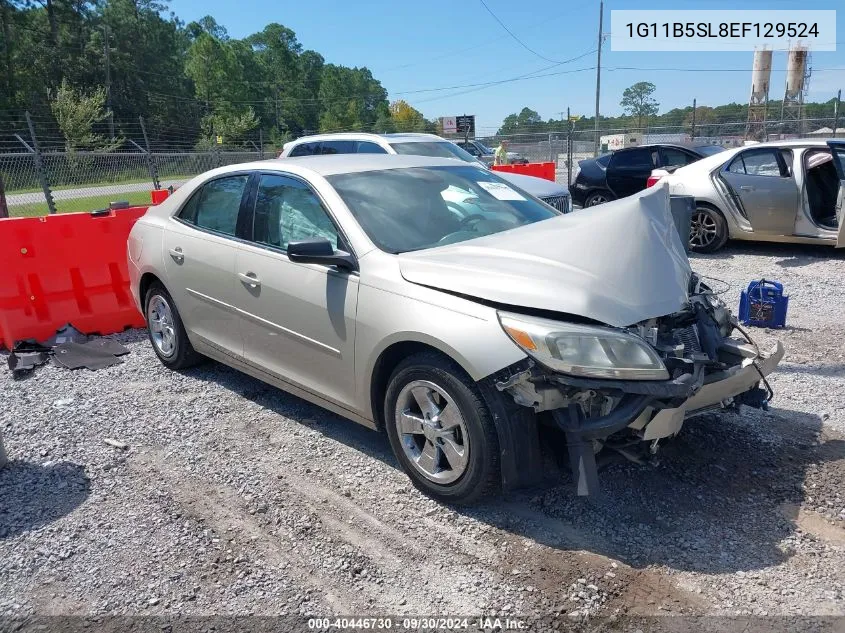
point(69, 348)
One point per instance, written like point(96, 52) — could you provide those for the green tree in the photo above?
point(527, 120)
point(231, 125)
point(637, 101)
point(350, 98)
point(277, 52)
point(77, 113)
point(406, 118)
point(704, 115)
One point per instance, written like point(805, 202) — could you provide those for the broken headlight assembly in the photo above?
point(584, 350)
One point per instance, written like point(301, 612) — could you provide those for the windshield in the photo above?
point(709, 150)
point(421, 207)
point(436, 149)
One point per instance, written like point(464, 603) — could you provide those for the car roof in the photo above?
point(798, 142)
point(650, 145)
point(709, 163)
point(405, 137)
point(331, 164)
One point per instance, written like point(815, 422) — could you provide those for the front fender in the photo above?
point(467, 332)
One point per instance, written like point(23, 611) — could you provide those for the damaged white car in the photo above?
point(439, 303)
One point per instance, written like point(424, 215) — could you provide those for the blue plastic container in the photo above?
point(763, 304)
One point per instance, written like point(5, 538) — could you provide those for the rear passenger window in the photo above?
point(762, 162)
point(366, 147)
point(632, 159)
point(338, 147)
point(676, 158)
point(215, 207)
point(305, 149)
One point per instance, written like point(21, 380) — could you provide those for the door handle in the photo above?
point(177, 254)
point(250, 279)
point(746, 188)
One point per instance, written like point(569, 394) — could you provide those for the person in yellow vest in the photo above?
point(500, 157)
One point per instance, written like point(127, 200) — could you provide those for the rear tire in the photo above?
point(598, 197)
point(166, 331)
point(448, 445)
point(708, 230)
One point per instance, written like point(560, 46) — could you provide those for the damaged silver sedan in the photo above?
point(439, 303)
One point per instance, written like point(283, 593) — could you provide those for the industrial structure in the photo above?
point(797, 81)
point(792, 106)
point(758, 103)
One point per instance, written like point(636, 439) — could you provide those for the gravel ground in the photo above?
point(235, 498)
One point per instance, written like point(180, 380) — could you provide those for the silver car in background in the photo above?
point(417, 144)
point(435, 301)
point(783, 191)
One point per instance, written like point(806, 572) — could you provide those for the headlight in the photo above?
point(584, 350)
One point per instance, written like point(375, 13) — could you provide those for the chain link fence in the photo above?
point(567, 148)
point(85, 181)
point(42, 177)
point(41, 173)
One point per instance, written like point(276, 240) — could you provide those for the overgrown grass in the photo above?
point(134, 198)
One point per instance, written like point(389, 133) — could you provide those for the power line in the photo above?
point(511, 33)
point(504, 81)
point(501, 81)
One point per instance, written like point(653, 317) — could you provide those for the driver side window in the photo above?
point(286, 210)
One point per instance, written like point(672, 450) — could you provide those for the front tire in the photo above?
point(166, 331)
point(708, 230)
point(441, 430)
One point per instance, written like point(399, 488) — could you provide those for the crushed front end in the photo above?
point(616, 386)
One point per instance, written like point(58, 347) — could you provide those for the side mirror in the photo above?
point(320, 251)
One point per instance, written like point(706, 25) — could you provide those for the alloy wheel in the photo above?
point(432, 431)
point(703, 230)
point(162, 328)
point(596, 200)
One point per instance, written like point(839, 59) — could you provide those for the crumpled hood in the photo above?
point(619, 263)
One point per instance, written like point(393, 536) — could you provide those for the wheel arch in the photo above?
point(706, 204)
point(387, 360)
point(516, 425)
point(147, 280)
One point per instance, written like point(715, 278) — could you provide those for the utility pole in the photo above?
point(836, 112)
point(568, 148)
point(107, 52)
point(598, 77)
point(692, 132)
point(39, 166)
point(4, 208)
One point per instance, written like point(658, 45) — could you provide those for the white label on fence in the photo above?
point(500, 191)
point(722, 30)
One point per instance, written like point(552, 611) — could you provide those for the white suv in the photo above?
point(419, 145)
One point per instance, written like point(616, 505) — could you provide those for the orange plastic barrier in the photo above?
point(68, 268)
point(539, 170)
point(157, 196)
